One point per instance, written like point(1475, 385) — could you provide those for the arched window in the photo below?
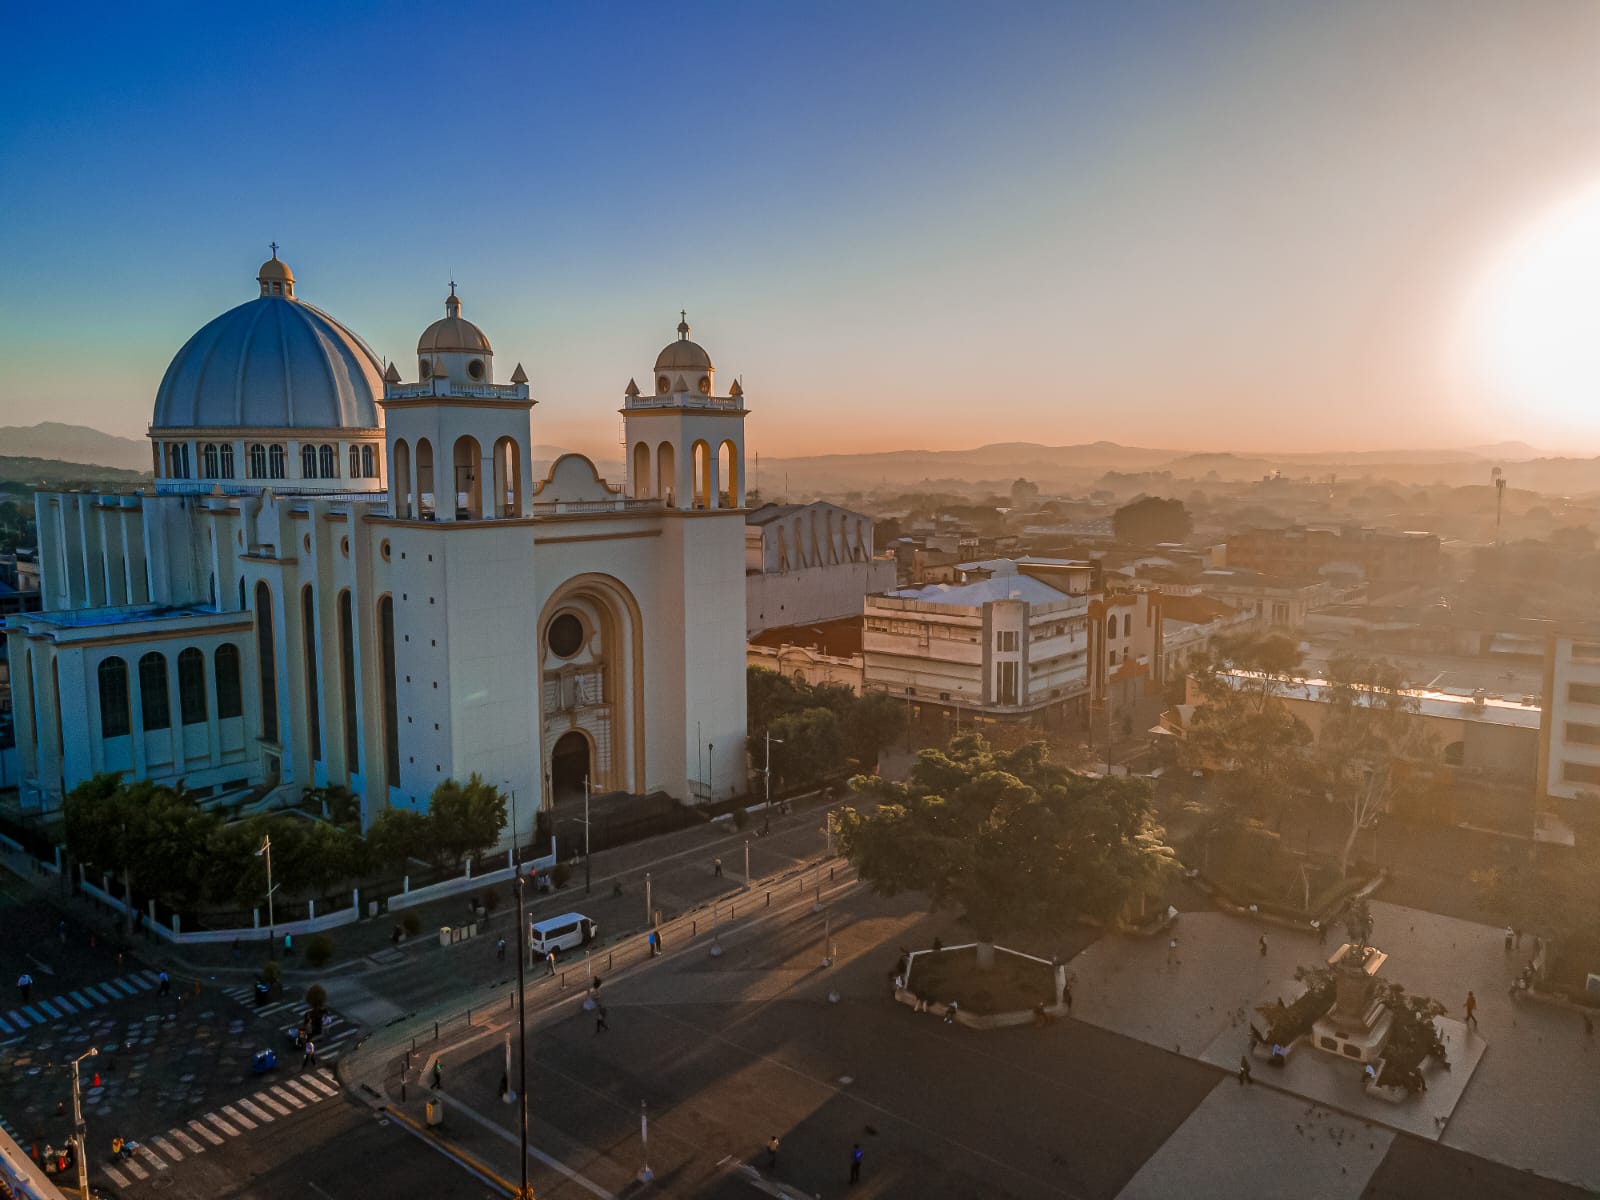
point(468, 486)
point(355, 463)
point(666, 472)
point(391, 700)
point(369, 463)
point(308, 635)
point(1127, 624)
point(347, 682)
point(276, 461)
point(267, 653)
point(1111, 626)
point(507, 495)
point(192, 687)
point(424, 463)
point(154, 704)
point(256, 461)
point(115, 718)
point(328, 462)
point(641, 470)
point(728, 469)
point(209, 465)
point(230, 696)
point(400, 480)
point(308, 462)
point(701, 460)
point(225, 453)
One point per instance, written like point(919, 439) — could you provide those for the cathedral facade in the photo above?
point(343, 578)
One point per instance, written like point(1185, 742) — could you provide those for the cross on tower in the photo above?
point(274, 249)
point(452, 287)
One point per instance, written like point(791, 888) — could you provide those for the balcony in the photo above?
point(444, 389)
point(686, 400)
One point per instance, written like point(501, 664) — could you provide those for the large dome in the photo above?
point(272, 363)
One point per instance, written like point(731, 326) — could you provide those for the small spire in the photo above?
point(392, 375)
point(519, 375)
point(452, 284)
point(683, 325)
point(632, 389)
point(736, 390)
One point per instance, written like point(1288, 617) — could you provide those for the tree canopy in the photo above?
point(1012, 839)
point(824, 728)
point(1149, 520)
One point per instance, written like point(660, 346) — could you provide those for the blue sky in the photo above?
point(903, 224)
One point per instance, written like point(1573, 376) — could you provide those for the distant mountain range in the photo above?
point(74, 444)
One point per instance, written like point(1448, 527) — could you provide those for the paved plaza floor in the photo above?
point(1529, 1103)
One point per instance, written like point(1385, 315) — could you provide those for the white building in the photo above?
point(1569, 735)
point(805, 563)
point(1011, 642)
point(342, 578)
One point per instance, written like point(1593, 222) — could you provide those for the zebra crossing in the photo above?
point(159, 1152)
point(336, 1031)
point(39, 1012)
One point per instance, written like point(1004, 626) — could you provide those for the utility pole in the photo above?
point(649, 917)
point(77, 1124)
point(645, 1174)
point(586, 869)
point(523, 1193)
point(766, 825)
point(266, 848)
point(747, 864)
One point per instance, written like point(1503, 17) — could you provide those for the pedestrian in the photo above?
point(550, 958)
point(1262, 942)
point(716, 868)
point(1244, 1070)
point(1172, 951)
point(164, 984)
point(24, 985)
point(600, 1019)
point(310, 1059)
point(1511, 935)
point(396, 935)
point(288, 944)
point(950, 1012)
point(1472, 1010)
point(1066, 994)
point(772, 1153)
point(855, 1163)
point(438, 1074)
point(500, 949)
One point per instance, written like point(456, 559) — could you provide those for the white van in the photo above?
point(566, 932)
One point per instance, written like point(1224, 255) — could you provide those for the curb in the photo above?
point(471, 1163)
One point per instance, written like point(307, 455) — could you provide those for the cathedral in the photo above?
point(343, 578)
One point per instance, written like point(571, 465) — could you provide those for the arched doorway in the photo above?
point(569, 767)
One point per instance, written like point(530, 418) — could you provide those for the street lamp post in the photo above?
point(77, 1124)
point(266, 849)
point(766, 825)
point(586, 870)
point(522, 1023)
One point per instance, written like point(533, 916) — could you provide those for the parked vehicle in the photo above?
point(566, 932)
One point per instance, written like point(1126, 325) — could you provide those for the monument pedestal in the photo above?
point(1357, 1026)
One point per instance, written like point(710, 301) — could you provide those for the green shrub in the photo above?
point(411, 923)
point(316, 996)
point(1286, 1022)
point(319, 950)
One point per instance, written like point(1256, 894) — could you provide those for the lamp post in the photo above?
point(77, 1124)
point(766, 824)
point(266, 849)
point(586, 870)
point(522, 1023)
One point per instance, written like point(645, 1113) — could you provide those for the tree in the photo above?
point(398, 835)
point(861, 726)
point(1149, 520)
point(143, 831)
point(467, 817)
point(813, 746)
point(1024, 495)
point(1371, 744)
point(1011, 838)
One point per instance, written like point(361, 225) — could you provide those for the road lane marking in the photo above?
point(100, 997)
point(116, 1177)
point(272, 1104)
point(45, 1004)
point(137, 1171)
point(4, 1028)
point(304, 1090)
point(78, 996)
point(255, 1110)
point(167, 1148)
point(189, 1144)
point(160, 1163)
point(290, 1097)
point(321, 1085)
point(222, 1125)
point(237, 1117)
point(206, 1133)
point(123, 986)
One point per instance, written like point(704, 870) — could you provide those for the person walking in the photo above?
point(716, 868)
point(24, 985)
point(550, 958)
point(772, 1153)
point(1244, 1070)
point(600, 1019)
point(438, 1074)
point(163, 984)
point(1511, 935)
point(500, 949)
point(855, 1163)
point(310, 1057)
point(1262, 942)
point(1472, 1010)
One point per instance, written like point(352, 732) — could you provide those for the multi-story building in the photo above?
point(805, 563)
point(1275, 603)
point(826, 652)
point(1569, 737)
point(1304, 552)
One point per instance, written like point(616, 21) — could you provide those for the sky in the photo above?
point(1253, 226)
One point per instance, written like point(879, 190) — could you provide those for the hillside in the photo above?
point(41, 474)
point(63, 443)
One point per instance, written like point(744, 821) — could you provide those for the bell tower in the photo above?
point(685, 443)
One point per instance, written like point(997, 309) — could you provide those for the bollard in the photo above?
point(769, 897)
point(436, 1031)
point(830, 874)
point(609, 953)
point(694, 928)
point(402, 1091)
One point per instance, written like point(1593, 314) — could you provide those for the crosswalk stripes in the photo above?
point(71, 1003)
point(283, 1099)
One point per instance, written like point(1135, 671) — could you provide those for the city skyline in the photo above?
point(1249, 227)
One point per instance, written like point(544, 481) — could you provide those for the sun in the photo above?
point(1535, 325)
